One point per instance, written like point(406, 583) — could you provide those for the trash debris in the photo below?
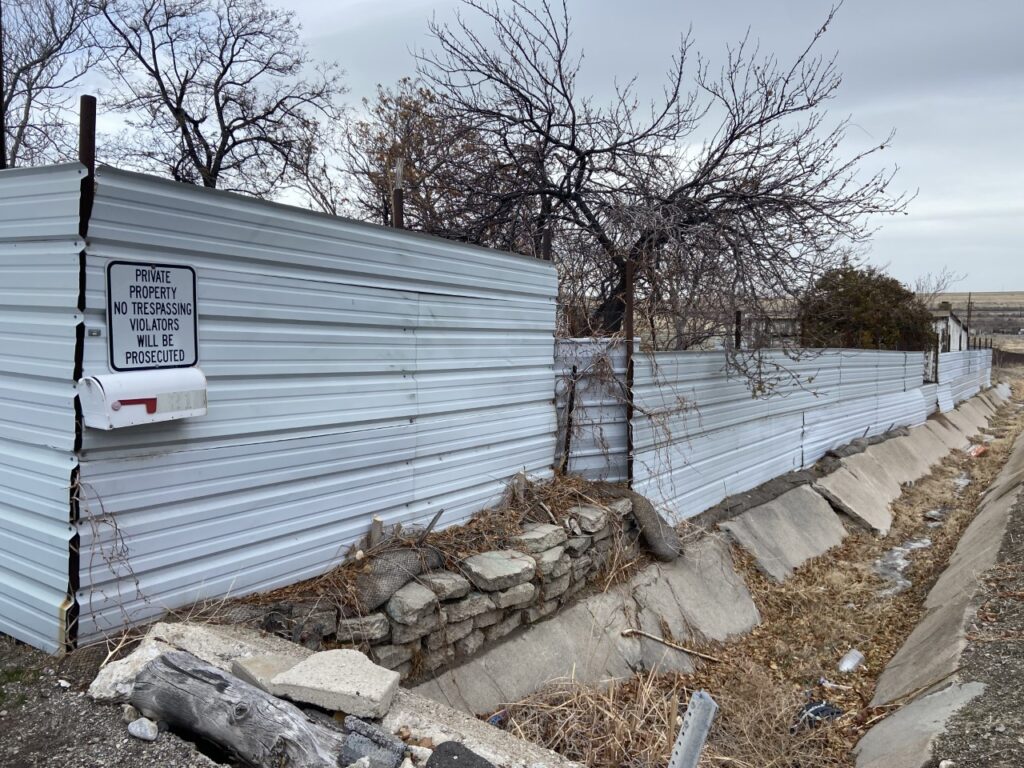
point(824, 682)
point(851, 660)
point(891, 565)
point(813, 714)
point(977, 450)
point(936, 517)
point(498, 719)
point(962, 482)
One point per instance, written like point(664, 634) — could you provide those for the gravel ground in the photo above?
point(989, 732)
point(47, 720)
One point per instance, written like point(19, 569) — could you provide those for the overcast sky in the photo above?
point(947, 75)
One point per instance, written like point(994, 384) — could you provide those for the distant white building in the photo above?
point(951, 330)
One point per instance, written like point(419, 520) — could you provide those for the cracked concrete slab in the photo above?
point(862, 500)
point(905, 738)
point(787, 532)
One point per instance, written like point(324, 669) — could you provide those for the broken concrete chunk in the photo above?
point(214, 644)
point(359, 629)
point(590, 518)
point(260, 670)
point(340, 680)
point(520, 594)
point(536, 537)
point(412, 603)
point(446, 585)
point(553, 563)
point(472, 605)
point(493, 571)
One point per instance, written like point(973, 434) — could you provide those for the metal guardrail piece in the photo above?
point(700, 713)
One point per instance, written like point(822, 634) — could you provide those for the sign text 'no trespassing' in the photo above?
point(151, 315)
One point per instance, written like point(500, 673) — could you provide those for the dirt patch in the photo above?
point(46, 718)
point(831, 604)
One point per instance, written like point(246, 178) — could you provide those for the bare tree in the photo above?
point(732, 195)
point(46, 51)
point(931, 285)
point(216, 92)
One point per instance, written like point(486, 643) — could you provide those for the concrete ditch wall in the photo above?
point(925, 666)
point(701, 595)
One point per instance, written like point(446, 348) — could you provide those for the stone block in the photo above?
point(364, 629)
point(487, 619)
point(520, 594)
point(455, 632)
point(602, 535)
point(341, 680)
point(581, 567)
point(471, 605)
point(412, 603)
point(552, 589)
point(435, 640)
point(621, 507)
point(577, 545)
point(406, 633)
point(432, 660)
point(470, 644)
point(260, 670)
point(505, 626)
point(391, 656)
point(538, 612)
point(537, 537)
point(589, 518)
point(553, 563)
point(446, 585)
point(493, 571)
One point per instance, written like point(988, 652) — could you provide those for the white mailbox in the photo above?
point(114, 400)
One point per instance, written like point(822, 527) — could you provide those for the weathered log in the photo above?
point(253, 726)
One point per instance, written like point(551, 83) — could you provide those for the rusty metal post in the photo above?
point(3, 86)
point(398, 197)
point(630, 299)
point(87, 157)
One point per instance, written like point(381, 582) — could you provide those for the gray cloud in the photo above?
point(947, 76)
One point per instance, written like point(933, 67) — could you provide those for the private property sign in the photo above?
point(151, 316)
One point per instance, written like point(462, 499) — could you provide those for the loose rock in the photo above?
point(537, 537)
point(446, 585)
point(412, 603)
point(143, 728)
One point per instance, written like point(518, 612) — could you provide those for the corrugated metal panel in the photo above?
point(353, 371)
point(962, 375)
point(700, 436)
point(39, 283)
point(594, 371)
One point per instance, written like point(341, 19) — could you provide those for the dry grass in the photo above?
point(830, 605)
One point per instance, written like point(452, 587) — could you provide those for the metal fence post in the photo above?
point(700, 713)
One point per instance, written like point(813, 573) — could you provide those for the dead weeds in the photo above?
point(830, 605)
